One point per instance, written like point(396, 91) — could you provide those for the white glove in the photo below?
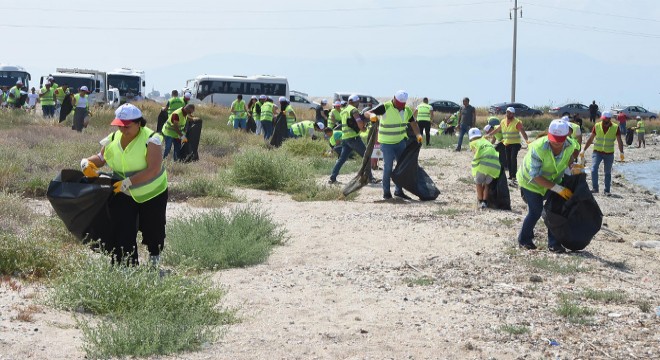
point(122, 186)
point(84, 163)
point(184, 139)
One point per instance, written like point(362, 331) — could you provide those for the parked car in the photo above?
point(632, 111)
point(571, 109)
point(365, 100)
point(445, 106)
point(300, 100)
point(522, 110)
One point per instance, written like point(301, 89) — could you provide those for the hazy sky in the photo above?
point(581, 50)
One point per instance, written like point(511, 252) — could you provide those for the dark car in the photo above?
point(571, 109)
point(522, 110)
point(445, 106)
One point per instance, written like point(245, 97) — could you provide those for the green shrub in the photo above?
point(30, 257)
point(268, 170)
point(304, 147)
point(195, 187)
point(216, 241)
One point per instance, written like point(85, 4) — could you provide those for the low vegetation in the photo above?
point(564, 266)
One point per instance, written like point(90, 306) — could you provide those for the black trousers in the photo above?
point(127, 217)
point(502, 155)
point(511, 152)
point(425, 127)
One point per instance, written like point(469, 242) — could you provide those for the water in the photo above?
point(642, 173)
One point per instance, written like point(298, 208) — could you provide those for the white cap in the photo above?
point(253, 97)
point(126, 112)
point(474, 133)
point(321, 125)
point(638, 117)
point(337, 103)
point(606, 114)
point(187, 95)
point(283, 99)
point(566, 118)
point(19, 82)
point(401, 96)
point(354, 98)
point(558, 127)
point(84, 88)
point(343, 102)
point(511, 110)
point(262, 97)
point(324, 101)
point(487, 128)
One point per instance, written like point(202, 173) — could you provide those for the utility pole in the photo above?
point(515, 40)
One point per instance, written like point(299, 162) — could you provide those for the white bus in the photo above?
point(10, 74)
point(129, 82)
point(222, 90)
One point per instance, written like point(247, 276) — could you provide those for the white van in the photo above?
point(365, 100)
point(300, 100)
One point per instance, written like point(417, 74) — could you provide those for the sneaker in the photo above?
point(154, 260)
point(607, 193)
point(387, 196)
point(457, 150)
point(402, 195)
point(529, 246)
point(482, 205)
point(332, 181)
point(513, 183)
point(558, 249)
point(594, 191)
point(375, 181)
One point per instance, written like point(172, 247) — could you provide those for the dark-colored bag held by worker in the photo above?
point(364, 173)
point(189, 149)
point(574, 222)
point(412, 177)
point(82, 203)
point(66, 107)
point(162, 119)
point(498, 193)
point(281, 131)
point(630, 137)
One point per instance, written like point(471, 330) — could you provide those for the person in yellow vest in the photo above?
point(512, 130)
point(14, 95)
point(287, 110)
point(640, 130)
point(543, 168)
point(334, 119)
point(334, 139)
point(496, 140)
point(251, 115)
point(575, 133)
point(47, 98)
point(603, 135)
point(174, 103)
point(424, 114)
point(81, 109)
point(256, 113)
point(133, 152)
point(351, 125)
point(395, 117)
point(239, 110)
point(306, 128)
point(60, 92)
point(267, 108)
point(485, 165)
point(173, 130)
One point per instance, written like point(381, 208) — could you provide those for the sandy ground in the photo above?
point(342, 286)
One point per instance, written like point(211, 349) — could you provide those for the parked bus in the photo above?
point(10, 74)
point(129, 82)
point(222, 90)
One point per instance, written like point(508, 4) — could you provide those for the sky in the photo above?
point(567, 50)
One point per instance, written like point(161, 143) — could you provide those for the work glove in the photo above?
point(373, 118)
point(622, 157)
point(419, 139)
point(89, 169)
point(184, 139)
point(528, 141)
point(562, 191)
point(581, 154)
point(577, 169)
point(122, 186)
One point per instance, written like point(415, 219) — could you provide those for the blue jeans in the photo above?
point(463, 131)
point(48, 110)
point(608, 159)
point(347, 147)
point(623, 129)
point(240, 123)
point(168, 144)
point(534, 210)
point(391, 152)
point(267, 129)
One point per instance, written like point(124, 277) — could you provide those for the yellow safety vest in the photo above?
point(334, 118)
point(168, 127)
point(604, 142)
point(510, 133)
point(347, 132)
point(290, 116)
point(17, 95)
point(486, 160)
point(424, 112)
point(302, 128)
point(392, 128)
point(60, 93)
point(640, 127)
point(239, 107)
point(48, 96)
point(333, 141)
point(76, 97)
point(175, 103)
point(550, 168)
point(133, 159)
point(267, 111)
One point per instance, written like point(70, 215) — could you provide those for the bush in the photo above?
point(268, 170)
point(146, 314)
point(30, 257)
point(216, 241)
point(200, 187)
point(304, 147)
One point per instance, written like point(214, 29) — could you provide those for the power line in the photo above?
point(589, 28)
point(594, 12)
point(252, 11)
point(259, 28)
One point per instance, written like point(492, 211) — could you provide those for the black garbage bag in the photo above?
point(364, 173)
point(162, 119)
point(66, 108)
point(574, 222)
point(82, 203)
point(410, 176)
point(22, 99)
point(629, 137)
point(188, 150)
point(498, 193)
point(251, 125)
point(281, 132)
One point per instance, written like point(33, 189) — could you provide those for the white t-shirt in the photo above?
point(32, 99)
point(82, 102)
